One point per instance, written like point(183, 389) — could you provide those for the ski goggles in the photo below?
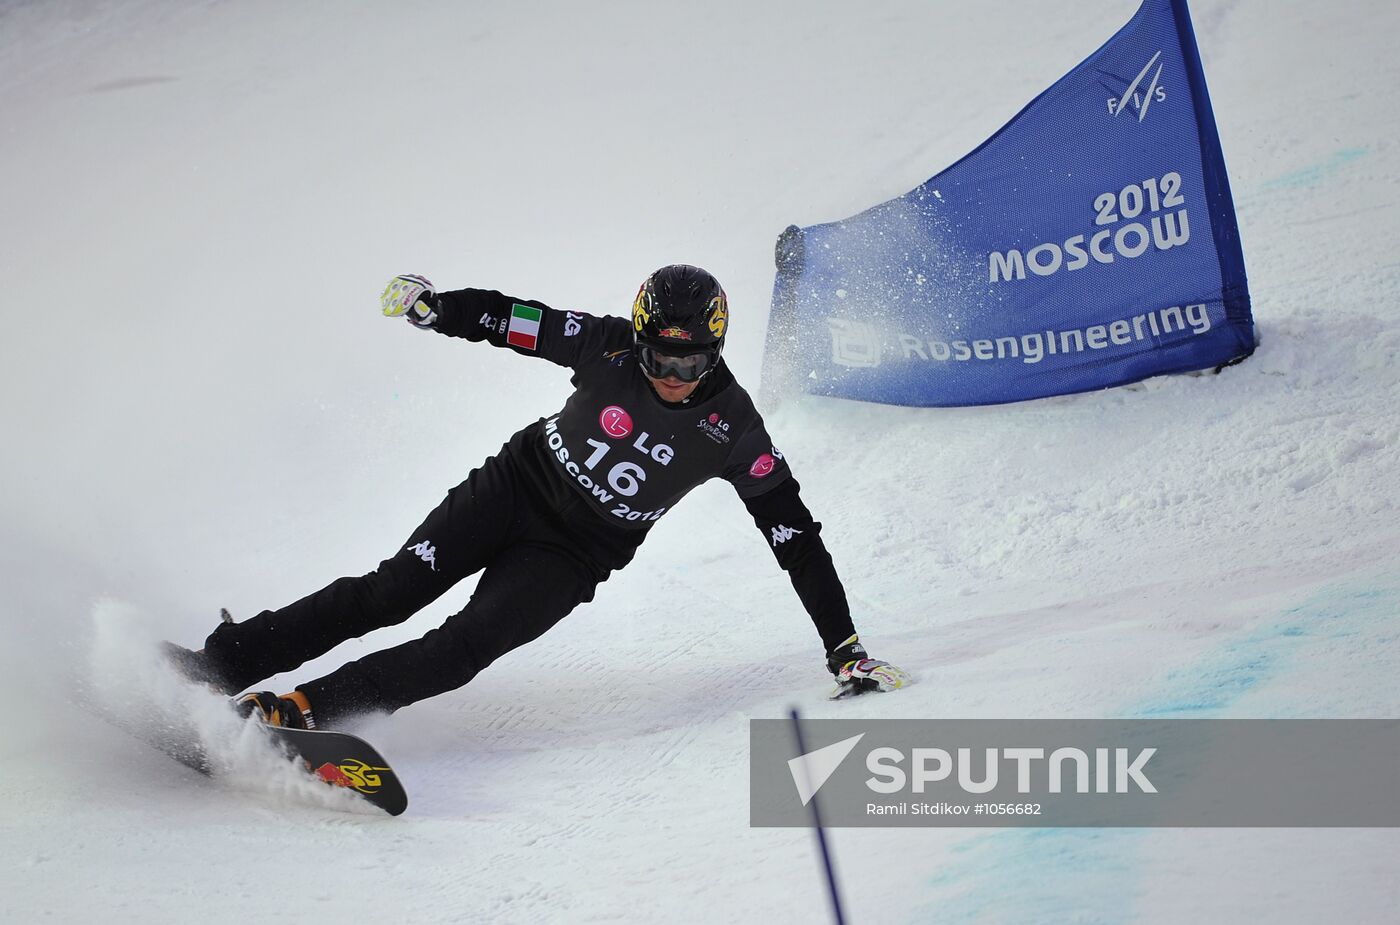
point(687, 367)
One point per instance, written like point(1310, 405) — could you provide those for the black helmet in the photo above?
point(678, 322)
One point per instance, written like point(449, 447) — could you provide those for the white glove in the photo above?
point(412, 297)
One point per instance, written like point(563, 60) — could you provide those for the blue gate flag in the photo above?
point(1090, 242)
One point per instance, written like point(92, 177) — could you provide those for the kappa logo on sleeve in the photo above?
point(425, 551)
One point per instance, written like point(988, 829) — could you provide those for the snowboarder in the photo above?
point(655, 411)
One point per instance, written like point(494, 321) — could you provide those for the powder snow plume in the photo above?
point(130, 685)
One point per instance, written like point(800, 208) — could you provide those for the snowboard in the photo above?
point(343, 760)
point(336, 758)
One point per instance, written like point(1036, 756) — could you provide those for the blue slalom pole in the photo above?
point(821, 834)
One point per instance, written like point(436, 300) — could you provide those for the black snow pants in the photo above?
point(537, 565)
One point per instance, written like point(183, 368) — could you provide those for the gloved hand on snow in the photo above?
point(412, 297)
point(856, 673)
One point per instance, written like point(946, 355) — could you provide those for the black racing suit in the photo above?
point(564, 503)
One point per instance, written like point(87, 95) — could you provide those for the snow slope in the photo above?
point(202, 408)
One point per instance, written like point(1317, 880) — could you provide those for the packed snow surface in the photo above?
point(203, 408)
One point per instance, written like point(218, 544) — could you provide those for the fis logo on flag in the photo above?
point(1134, 96)
point(1082, 246)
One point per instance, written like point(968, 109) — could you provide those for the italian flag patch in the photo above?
point(524, 326)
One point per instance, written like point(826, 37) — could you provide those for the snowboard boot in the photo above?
point(291, 711)
point(198, 667)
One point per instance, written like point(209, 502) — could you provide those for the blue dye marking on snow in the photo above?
point(1245, 662)
point(1213, 687)
point(1046, 876)
point(1315, 174)
point(1091, 876)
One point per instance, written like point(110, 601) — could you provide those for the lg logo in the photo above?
point(615, 421)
